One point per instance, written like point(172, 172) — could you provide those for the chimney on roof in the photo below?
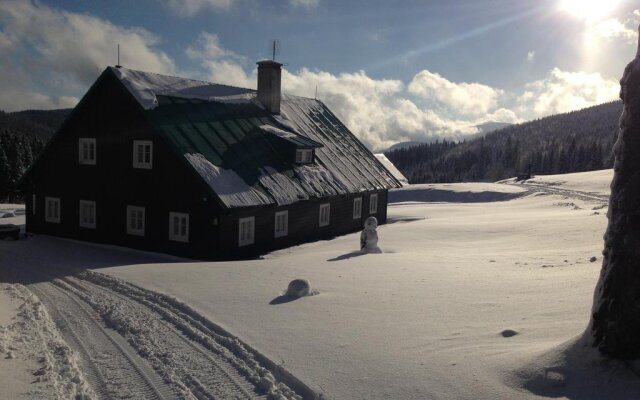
point(269, 85)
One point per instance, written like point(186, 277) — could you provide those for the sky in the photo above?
point(393, 71)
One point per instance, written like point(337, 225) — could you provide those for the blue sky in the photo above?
point(392, 70)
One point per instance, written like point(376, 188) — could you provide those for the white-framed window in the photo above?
point(304, 156)
point(179, 227)
point(246, 227)
point(88, 214)
point(357, 208)
point(325, 211)
point(33, 205)
point(87, 151)
point(373, 203)
point(281, 224)
point(135, 220)
point(142, 154)
point(52, 209)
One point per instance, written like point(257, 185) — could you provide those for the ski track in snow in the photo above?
point(137, 344)
point(567, 193)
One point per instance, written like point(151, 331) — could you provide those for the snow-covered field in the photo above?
point(481, 292)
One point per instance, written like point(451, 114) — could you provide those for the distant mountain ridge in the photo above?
point(490, 126)
point(42, 123)
point(483, 129)
point(572, 142)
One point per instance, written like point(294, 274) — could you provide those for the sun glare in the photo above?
point(589, 9)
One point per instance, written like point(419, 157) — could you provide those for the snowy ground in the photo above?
point(480, 293)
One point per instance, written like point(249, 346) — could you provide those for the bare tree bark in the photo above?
point(615, 320)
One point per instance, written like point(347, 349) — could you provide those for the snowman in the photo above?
point(369, 236)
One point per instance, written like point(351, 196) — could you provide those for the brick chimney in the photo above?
point(269, 85)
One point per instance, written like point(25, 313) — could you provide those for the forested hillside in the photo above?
point(577, 141)
point(22, 136)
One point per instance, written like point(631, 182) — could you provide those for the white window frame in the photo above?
point(138, 229)
point(281, 224)
point(144, 164)
point(357, 208)
point(87, 214)
point(324, 214)
point(52, 209)
point(304, 156)
point(88, 157)
point(373, 203)
point(246, 231)
point(179, 232)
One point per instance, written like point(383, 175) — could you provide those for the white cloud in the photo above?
point(471, 99)
point(500, 115)
point(375, 110)
point(62, 52)
point(228, 72)
point(208, 47)
point(531, 55)
point(44, 51)
point(563, 91)
point(613, 29)
point(189, 8)
point(304, 3)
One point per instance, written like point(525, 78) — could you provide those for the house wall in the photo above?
point(303, 224)
point(111, 115)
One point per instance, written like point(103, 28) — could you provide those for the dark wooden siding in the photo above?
point(303, 224)
point(110, 115)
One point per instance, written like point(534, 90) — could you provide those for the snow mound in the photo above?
point(298, 288)
point(35, 335)
point(575, 370)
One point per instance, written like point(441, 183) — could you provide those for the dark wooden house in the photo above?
point(201, 170)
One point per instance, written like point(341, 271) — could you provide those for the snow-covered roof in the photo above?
point(224, 134)
point(392, 168)
point(146, 86)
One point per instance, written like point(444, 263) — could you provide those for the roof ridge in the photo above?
point(180, 77)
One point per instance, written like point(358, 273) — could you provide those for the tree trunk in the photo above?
point(615, 320)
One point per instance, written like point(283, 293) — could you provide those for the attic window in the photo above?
point(304, 156)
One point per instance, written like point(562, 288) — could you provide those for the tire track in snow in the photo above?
point(114, 371)
point(217, 380)
point(199, 357)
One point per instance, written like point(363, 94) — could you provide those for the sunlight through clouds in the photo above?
point(71, 49)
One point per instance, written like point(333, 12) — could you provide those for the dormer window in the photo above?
point(304, 156)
